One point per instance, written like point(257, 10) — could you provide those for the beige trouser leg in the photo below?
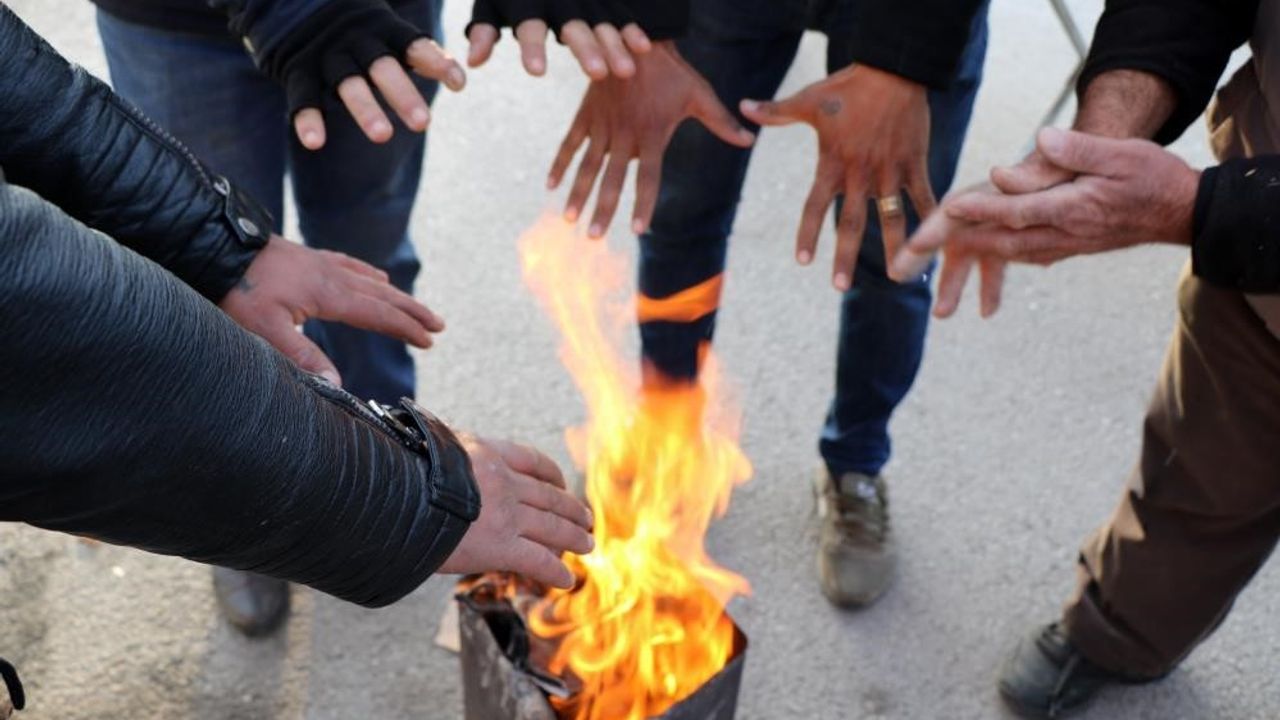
point(1202, 510)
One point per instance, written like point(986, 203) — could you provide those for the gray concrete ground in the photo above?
point(1013, 446)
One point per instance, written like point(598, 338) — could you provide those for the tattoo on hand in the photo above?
point(830, 107)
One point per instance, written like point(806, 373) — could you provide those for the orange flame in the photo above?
point(646, 625)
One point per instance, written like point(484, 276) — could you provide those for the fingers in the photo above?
point(920, 190)
point(782, 112)
point(913, 259)
point(712, 113)
point(648, 181)
point(615, 177)
point(359, 101)
point(568, 148)
point(893, 225)
point(400, 93)
point(991, 287)
point(1033, 174)
point(308, 124)
point(1081, 152)
point(482, 39)
point(359, 267)
point(402, 301)
point(532, 36)
point(825, 184)
point(583, 44)
point(615, 51)
point(588, 169)
point(550, 498)
point(636, 39)
point(432, 61)
point(536, 562)
point(380, 314)
point(1048, 207)
point(552, 531)
point(849, 230)
point(951, 281)
point(529, 461)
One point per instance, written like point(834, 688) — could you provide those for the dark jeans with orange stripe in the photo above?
point(744, 48)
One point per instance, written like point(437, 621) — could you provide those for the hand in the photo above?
point(873, 142)
point(599, 51)
point(341, 48)
point(1126, 192)
point(634, 118)
point(288, 284)
point(527, 519)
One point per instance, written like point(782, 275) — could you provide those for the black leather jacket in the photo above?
point(134, 411)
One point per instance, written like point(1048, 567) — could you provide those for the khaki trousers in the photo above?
point(1201, 512)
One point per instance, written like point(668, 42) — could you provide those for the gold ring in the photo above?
point(890, 206)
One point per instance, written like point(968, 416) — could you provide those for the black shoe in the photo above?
point(254, 604)
point(1046, 677)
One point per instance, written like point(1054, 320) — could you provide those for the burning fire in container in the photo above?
point(645, 627)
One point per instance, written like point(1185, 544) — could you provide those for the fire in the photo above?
point(646, 625)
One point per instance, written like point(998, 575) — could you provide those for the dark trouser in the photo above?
point(744, 48)
point(1202, 509)
point(352, 196)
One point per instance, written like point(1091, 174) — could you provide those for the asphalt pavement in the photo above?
point(1014, 444)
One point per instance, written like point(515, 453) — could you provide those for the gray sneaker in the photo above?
point(856, 556)
point(255, 605)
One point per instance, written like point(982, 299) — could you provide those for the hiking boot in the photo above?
point(856, 557)
point(255, 605)
point(1047, 677)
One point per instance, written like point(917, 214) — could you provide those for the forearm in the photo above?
point(134, 412)
point(1125, 104)
point(66, 136)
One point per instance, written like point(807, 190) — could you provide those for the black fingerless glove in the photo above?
point(340, 40)
point(1235, 240)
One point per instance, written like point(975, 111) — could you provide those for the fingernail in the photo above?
point(311, 138)
point(456, 77)
point(595, 230)
point(804, 257)
point(551, 183)
point(379, 127)
point(420, 116)
point(591, 519)
point(537, 66)
point(746, 135)
point(591, 543)
point(750, 105)
point(595, 66)
point(637, 226)
point(1052, 139)
point(571, 214)
point(841, 281)
point(332, 377)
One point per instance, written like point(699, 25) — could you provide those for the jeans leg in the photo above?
point(207, 93)
point(356, 197)
point(883, 323)
point(701, 182)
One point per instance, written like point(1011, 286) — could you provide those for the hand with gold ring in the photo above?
point(873, 141)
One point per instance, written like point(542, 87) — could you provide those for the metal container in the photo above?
point(500, 684)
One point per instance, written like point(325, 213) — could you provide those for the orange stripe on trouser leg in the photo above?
point(685, 306)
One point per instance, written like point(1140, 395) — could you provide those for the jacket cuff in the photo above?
point(1235, 231)
point(244, 227)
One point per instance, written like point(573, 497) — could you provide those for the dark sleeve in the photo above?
point(1236, 228)
point(135, 412)
point(660, 19)
point(1187, 43)
point(65, 135)
point(921, 40)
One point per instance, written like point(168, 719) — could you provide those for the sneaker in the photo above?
point(255, 605)
point(856, 557)
point(1047, 677)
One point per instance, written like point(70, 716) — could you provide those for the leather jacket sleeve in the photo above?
point(68, 137)
point(135, 412)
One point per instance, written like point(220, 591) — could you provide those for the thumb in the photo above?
point(774, 114)
point(1079, 152)
point(305, 354)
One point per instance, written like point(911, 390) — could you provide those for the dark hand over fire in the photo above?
point(625, 119)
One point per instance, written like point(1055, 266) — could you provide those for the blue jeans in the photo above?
point(744, 48)
point(352, 196)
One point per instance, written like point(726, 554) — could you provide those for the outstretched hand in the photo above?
point(527, 518)
point(626, 119)
point(288, 284)
point(873, 142)
point(1116, 193)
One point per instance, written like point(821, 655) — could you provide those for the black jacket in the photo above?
point(134, 411)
